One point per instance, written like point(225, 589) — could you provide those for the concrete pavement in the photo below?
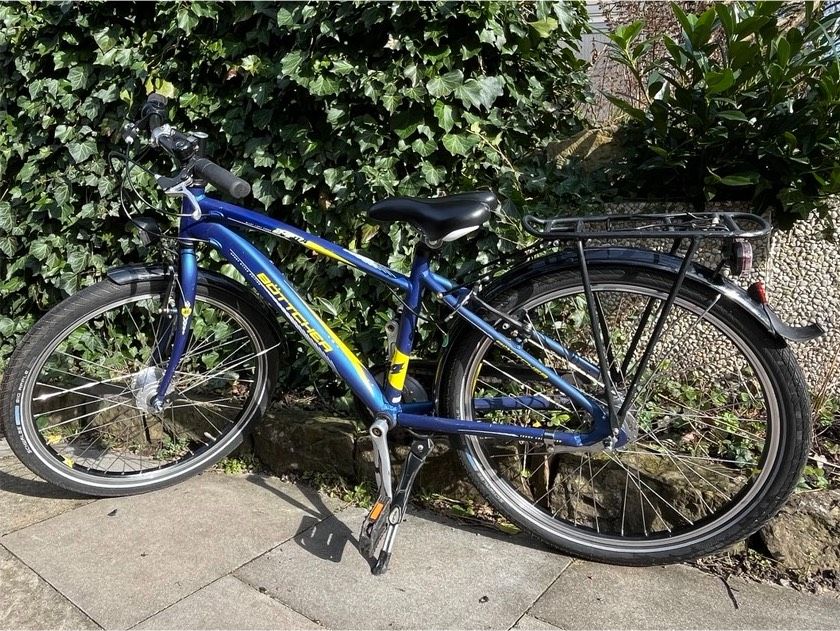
point(254, 552)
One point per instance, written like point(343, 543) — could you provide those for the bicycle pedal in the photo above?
point(374, 527)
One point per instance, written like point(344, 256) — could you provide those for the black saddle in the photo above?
point(439, 218)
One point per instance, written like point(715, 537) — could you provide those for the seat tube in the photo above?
point(398, 364)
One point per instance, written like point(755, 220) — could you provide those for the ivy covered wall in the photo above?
point(323, 107)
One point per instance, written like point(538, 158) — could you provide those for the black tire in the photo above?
point(175, 444)
point(769, 470)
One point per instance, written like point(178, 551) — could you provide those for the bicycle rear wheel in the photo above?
point(720, 425)
point(75, 397)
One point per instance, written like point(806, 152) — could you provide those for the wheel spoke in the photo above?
point(702, 426)
point(84, 392)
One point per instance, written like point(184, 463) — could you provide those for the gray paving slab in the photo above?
point(28, 602)
point(441, 576)
point(124, 559)
point(228, 604)
point(530, 623)
point(595, 596)
point(25, 499)
point(4, 448)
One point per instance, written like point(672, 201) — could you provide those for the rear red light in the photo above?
point(757, 292)
point(740, 257)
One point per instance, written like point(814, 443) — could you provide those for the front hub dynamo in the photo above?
point(145, 387)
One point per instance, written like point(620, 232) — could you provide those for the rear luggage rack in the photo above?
point(733, 228)
point(720, 225)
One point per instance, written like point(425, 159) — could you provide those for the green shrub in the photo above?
point(745, 106)
point(324, 107)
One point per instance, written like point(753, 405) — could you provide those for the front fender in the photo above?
point(151, 271)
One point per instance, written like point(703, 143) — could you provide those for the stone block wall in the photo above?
point(802, 273)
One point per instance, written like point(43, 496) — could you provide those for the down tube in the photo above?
point(273, 286)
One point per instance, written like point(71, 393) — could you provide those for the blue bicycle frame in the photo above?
point(216, 226)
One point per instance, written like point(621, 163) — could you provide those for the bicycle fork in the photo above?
point(185, 280)
point(387, 513)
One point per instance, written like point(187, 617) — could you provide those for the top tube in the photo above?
point(217, 210)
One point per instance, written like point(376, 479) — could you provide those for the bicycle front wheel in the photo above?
point(719, 428)
point(76, 393)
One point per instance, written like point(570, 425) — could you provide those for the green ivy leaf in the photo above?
point(40, 250)
point(263, 191)
point(405, 123)
point(342, 67)
point(433, 175)
point(445, 115)
point(391, 102)
point(251, 64)
point(544, 27)
point(27, 173)
point(323, 86)
point(459, 144)
point(480, 92)
point(82, 151)
point(7, 327)
point(78, 77)
point(291, 62)
point(61, 193)
point(104, 39)
point(424, 147)
point(8, 245)
point(284, 17)
point(77, 260)
point(7, 217)
point(443, 85)
point(185, 20)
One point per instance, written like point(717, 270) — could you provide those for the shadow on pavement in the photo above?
point(317, 534)
point(327, 538)
point(16, 478)
point(479, 527)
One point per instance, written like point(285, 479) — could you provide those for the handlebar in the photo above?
point(221, 178)
point(155, 109)
point(188, 148)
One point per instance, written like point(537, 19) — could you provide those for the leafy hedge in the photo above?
point(324, 107)
point(744, 104)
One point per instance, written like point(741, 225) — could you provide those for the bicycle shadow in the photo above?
point(323, 535)
point(15, 478)
point(320, 532)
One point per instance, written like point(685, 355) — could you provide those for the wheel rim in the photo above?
point(83, 400)
point(627, 529)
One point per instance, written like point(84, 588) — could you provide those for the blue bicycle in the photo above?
point(622, 404)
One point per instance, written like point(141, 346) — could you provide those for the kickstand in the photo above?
point(373, 527)
point(420, 449)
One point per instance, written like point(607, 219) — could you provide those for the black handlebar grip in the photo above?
point(155, 109)
point(221, 178)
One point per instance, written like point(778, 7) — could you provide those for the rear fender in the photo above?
point(641, 259)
